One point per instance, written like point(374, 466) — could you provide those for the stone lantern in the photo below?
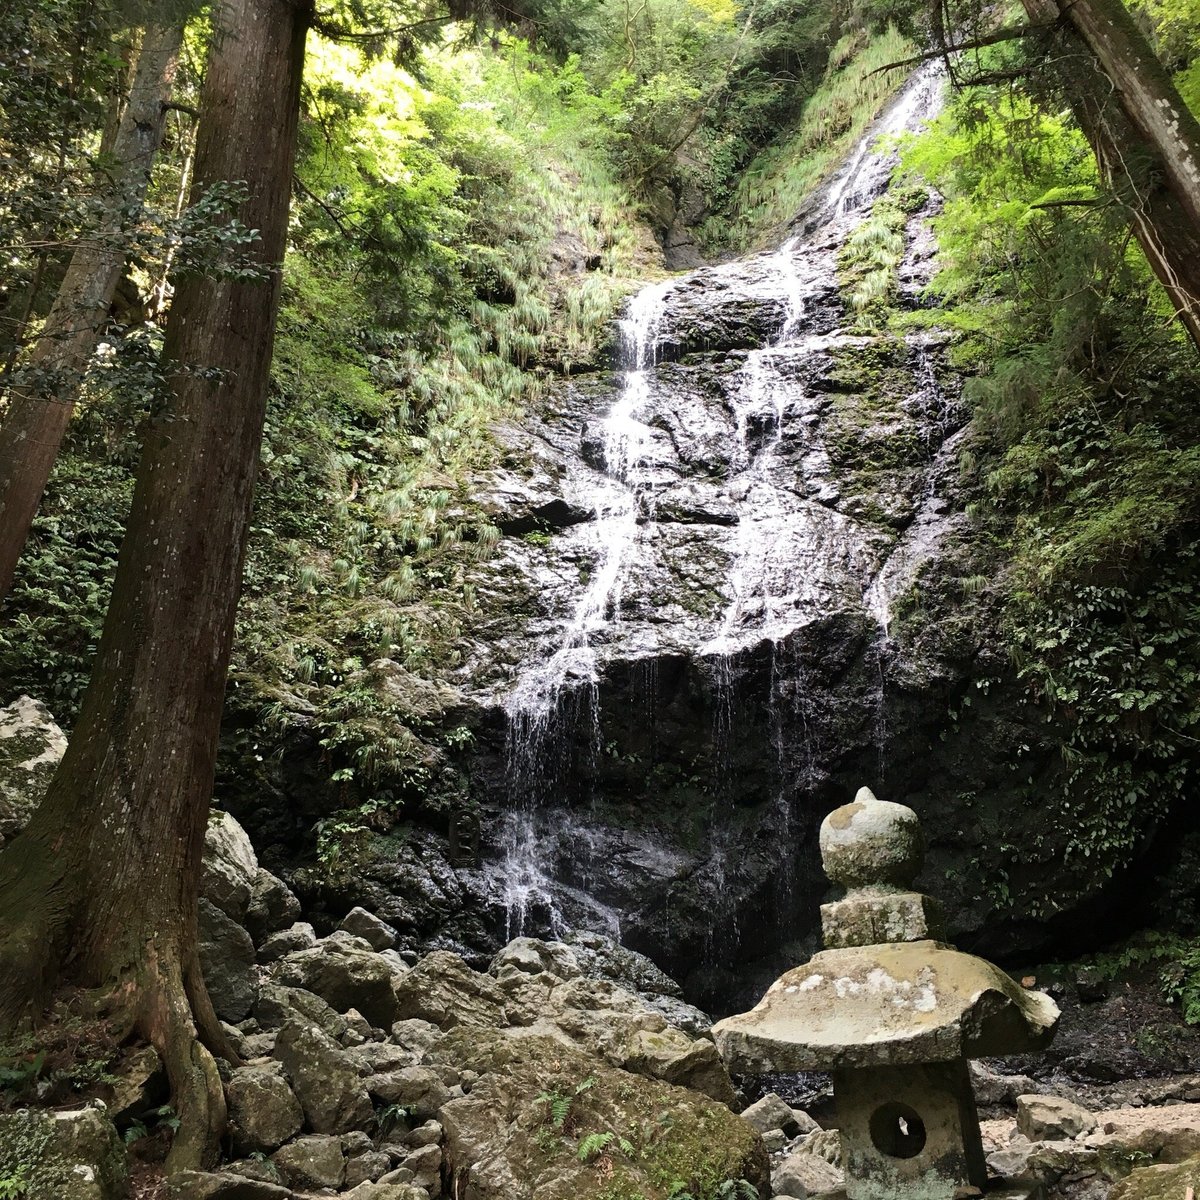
point(893, 1013)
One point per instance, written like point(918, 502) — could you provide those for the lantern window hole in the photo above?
point(897, 1131)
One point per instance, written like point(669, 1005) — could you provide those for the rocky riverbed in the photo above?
point(571, 1071)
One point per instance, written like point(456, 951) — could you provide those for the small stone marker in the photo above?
point(894, 1013)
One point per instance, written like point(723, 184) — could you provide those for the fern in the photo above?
point(594, 1145)
point(558, 1107)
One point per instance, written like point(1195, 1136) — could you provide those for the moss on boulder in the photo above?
point(546, 1120)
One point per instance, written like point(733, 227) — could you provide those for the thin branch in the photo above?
point(1094, 203)
point(175, 106)
point(339, 33)
point(1008, 34)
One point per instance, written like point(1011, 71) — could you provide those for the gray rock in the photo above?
point(533, 957)
point(229, 868)
point(315, 1161)
point(141, 1085)
point(444, 991)
point(366, 1168)
point(672, 1056)
point(1012, 1162)
point(325, 1081)
point(418, 1089)
point(263, 1111)
point(772, 1112)
point(824, 1143)
point(227, 960)
point(993, 1088)
point(273, 906)
point(801, 1175)
point(600, 957)
point(1052, 1119)
point(356, 1142)
point(74, 1155)
point(277, 1005)
point(31, 747)
point(205, 1185)
point(300, 936)
point(345, 977)
point(378, 934)
point(416, 1035)
point(426, 1165)
point(688, 1017)
point(428, 1134)
point(386, 1191)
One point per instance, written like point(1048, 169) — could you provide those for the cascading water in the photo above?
point(719, 537)
point(561, 690)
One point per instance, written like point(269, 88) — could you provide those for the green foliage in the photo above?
point(868, 263)
point(162, 1118)
point(559, 1105)
point(776, 183)
point(22, 1151)
point(1086, 397)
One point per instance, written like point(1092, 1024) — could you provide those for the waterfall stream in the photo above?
point(710, 469)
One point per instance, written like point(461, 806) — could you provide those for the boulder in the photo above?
point(801, 1175)
point(993, 1088)
point(31, 747)
point(1167, 1133)
point(688, 1017)
point(272, 907)
point(324, 1079)
point(495, 1147)
point(601, 957)
point(300, 936)
point(533, 956)
point(263, 1111)
point(671, 1055)
point(426, 1165)
point(386, 1191)
point(773, 1112)
point(315, 1161)
point(227, 960)
point(278, 1005)
point(366, 1168)
point(205, 1185)
point(416, 1035)
point(74, 1155)
point(1052, 1119)
point(444, 991)
point(229, 868)
point(141, 1084)
point(345, 977)
point(419, 1090)
point(429, 1134)
point(378, 934)
point(824, 1143)
point(1163, 1182)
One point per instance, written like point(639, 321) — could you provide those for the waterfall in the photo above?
point(715, 464)
point(554, 695)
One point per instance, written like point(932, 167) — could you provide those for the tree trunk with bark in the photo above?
point(1146, 140)
point(46, 387)
point(101, 889)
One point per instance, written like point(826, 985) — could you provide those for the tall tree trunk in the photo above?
point(1146, 141)
point(101, 888)
point(45, 388)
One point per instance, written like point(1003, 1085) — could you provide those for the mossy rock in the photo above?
point(61, 1156)
point(548, 1121)
point(31, 747)
point(1159, 1182)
